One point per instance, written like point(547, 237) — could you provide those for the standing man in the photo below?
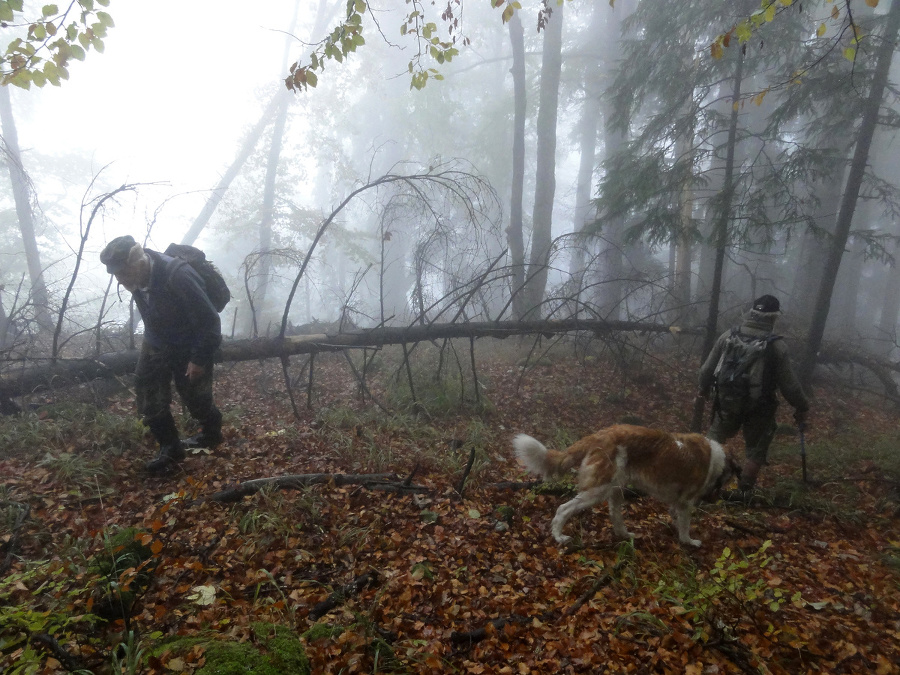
point(745, 368)
point(182, 331)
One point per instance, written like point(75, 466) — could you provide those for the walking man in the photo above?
point(182, 331)
point(745, 369)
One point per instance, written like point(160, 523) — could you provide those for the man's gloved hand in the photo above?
point(800, 419)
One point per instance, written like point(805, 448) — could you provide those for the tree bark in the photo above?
point(850, 197)
point(21, 194)
point(514, 235)
point(720, 230)
point(66, 372)
point(611, 293)
point(590, 120)
point(268, 208)
point(545, 171)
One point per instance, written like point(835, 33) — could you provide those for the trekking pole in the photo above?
point(800, 427)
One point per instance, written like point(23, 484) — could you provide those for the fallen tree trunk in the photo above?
point(24, 377)
point(30, 376)
point(882, 370)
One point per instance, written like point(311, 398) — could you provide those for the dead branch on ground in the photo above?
point(387, 482)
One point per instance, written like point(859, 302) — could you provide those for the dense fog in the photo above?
point(628, 161)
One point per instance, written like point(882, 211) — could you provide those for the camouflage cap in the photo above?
point(115, 255)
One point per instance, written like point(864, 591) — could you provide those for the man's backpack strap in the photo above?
point(172, 267)
point(768, 374)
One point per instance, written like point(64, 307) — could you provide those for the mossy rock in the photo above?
point(276, 650)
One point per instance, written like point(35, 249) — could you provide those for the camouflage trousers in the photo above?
point(758, 428)
point(157, 368)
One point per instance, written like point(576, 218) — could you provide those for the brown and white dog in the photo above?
point(678, 469)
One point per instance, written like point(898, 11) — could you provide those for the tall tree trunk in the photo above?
point(268, 209)
point(545, 171)
point(842, 321)
point(681, 295)
point(21, 194)
point(890, 307)
point(610, 295)
point(281, 98)
point(814, 249)
point(4, 325)
point(514, 234)
point(857, 170)
point(723, 214)
point(590, 119)
point(246, 149)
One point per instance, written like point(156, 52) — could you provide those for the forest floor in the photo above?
point(806, 579)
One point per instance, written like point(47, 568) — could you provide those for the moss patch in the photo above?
point(275, 650)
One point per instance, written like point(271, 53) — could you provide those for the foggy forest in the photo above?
point(443, 225)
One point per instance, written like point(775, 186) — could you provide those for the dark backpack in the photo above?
point(216, 288)
point(742, 376)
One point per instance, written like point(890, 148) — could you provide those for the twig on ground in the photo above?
point(746, 530)
point(373, 481)
point(337, 597)
point(69, 662)
point(599, 583)
point(462, 481)
point(471, 637)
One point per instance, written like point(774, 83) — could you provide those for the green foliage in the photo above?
point(272, 650)
point(436, 40)
point(46, 44)
point(845, 29)
point(125, 567)
point(713, 601)
point(75, 470)
point(437, 381)
point(276, 650)
point(128, 656)
point(320, 631)
point(874, 456)
point(67, 428)
point(45, 597)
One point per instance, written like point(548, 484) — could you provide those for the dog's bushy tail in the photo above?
point(538, 460)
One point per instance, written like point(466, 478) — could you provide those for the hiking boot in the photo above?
point(211, 431)
point(169, 455)
point(203, 440)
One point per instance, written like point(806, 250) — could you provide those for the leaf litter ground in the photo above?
point(475, 584)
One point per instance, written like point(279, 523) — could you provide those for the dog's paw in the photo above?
point(563, 539)
point(693, 542)
point(625, 534)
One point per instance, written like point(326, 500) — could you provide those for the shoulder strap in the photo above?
point(172, 267)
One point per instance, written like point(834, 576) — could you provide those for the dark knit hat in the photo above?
point(115, 255)
point(767, 304)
